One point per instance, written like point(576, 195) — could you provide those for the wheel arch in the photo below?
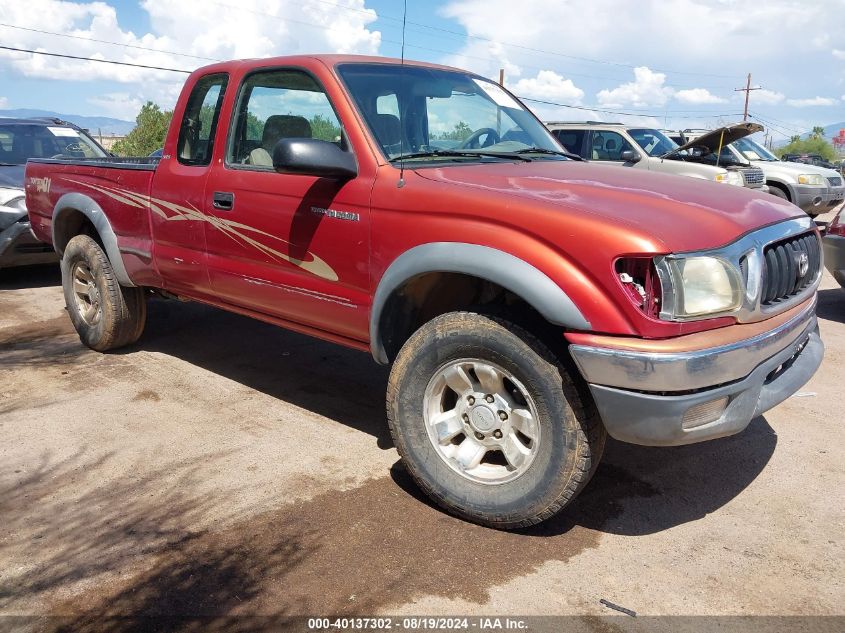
point(469, 261)
point(73, 212)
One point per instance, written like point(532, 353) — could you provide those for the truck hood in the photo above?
point(722, 136)
point(683, 214)
point(801, 168)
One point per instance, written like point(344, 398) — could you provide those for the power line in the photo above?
point(91, 39)
point(519, 46)
point(91, 59)
point(180, 70)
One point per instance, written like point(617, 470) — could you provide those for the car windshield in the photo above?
point(753, 151)
point(429, 114)
point(19, 142)
point(653, 142)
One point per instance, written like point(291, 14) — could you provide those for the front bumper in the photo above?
point(834, 256)
point(19, 247)
point(835, 196)
point(671, 398)
point(811, 198)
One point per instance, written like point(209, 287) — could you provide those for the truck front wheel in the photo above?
point(489, 423)
point(105, 314)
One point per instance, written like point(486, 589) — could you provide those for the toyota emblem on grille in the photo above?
point(803, 263)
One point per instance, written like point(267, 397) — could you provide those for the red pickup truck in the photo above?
point(530, 303)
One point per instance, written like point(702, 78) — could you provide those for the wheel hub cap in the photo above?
point(481, 421)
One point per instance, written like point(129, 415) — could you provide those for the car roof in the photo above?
point(35, 121)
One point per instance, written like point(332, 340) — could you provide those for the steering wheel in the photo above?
point(473, 143)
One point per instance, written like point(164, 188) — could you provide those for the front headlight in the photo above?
point(701, 286)
point(810, 179)
point(731, 178)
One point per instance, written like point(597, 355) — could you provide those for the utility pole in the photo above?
point(747, 90)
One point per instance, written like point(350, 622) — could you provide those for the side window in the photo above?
point(278, 104)
point(196, 133)
point(572, 140)
point(608, 145)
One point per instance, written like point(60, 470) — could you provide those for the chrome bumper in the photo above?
point(670, 399)
point(660, 372)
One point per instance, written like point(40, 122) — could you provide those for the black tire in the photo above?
point(119, 312)
point(572, 436)
point(778, 192)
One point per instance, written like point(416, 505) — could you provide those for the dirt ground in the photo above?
point(223, 466)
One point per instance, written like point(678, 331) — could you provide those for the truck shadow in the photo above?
point(22, 277)
point(335, 382)
point(670, 485)
point(832, 305)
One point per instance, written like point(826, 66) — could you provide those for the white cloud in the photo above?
point(121, 105)
point(698, 96)
point(838, 54)
point(814, 101)
point(210, 30)
point(548, 86)
point(766, 97)
point(4, 102)
point(647, 89)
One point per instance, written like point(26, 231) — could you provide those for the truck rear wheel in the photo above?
point(105, 314)
point(489, 423)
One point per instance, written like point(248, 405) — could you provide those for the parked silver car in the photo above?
point(20, 140)
point(815, 189)
point(648, 148)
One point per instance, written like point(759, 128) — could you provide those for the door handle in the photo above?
point(223, 200)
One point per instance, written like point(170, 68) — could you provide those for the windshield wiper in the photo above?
point(8, 164)
point(460, 154)
point(540, 150)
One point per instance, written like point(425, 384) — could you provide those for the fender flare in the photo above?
point(790, 187)
point(91, 210)
point(484, 262)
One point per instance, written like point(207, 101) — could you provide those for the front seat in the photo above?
point(388, 131)
point(598, 148)
point(277, 127)
point(610, 149)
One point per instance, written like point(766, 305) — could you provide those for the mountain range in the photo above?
point(95, 125)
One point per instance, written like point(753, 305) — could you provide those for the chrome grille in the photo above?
point(835, 181)
point(753, 176)
point(790, 266)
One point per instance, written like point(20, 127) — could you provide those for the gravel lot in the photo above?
point(226, 467)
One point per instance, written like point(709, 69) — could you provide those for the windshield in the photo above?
point(753, 151)
point(653, 142)
point(439, 115)
point(18, 142)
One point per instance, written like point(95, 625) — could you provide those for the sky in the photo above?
point(670, 64)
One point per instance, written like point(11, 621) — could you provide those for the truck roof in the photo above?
point(329, 60)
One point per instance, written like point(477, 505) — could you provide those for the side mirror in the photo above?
point(312, 157)
point(630, 156)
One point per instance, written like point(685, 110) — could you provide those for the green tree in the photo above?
point(324, 129)
point(818, 132)
point(795, 138)
point(148, 134)
point(461, 132)
point(808, 146)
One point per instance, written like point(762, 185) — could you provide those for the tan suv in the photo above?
point(646, 148)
